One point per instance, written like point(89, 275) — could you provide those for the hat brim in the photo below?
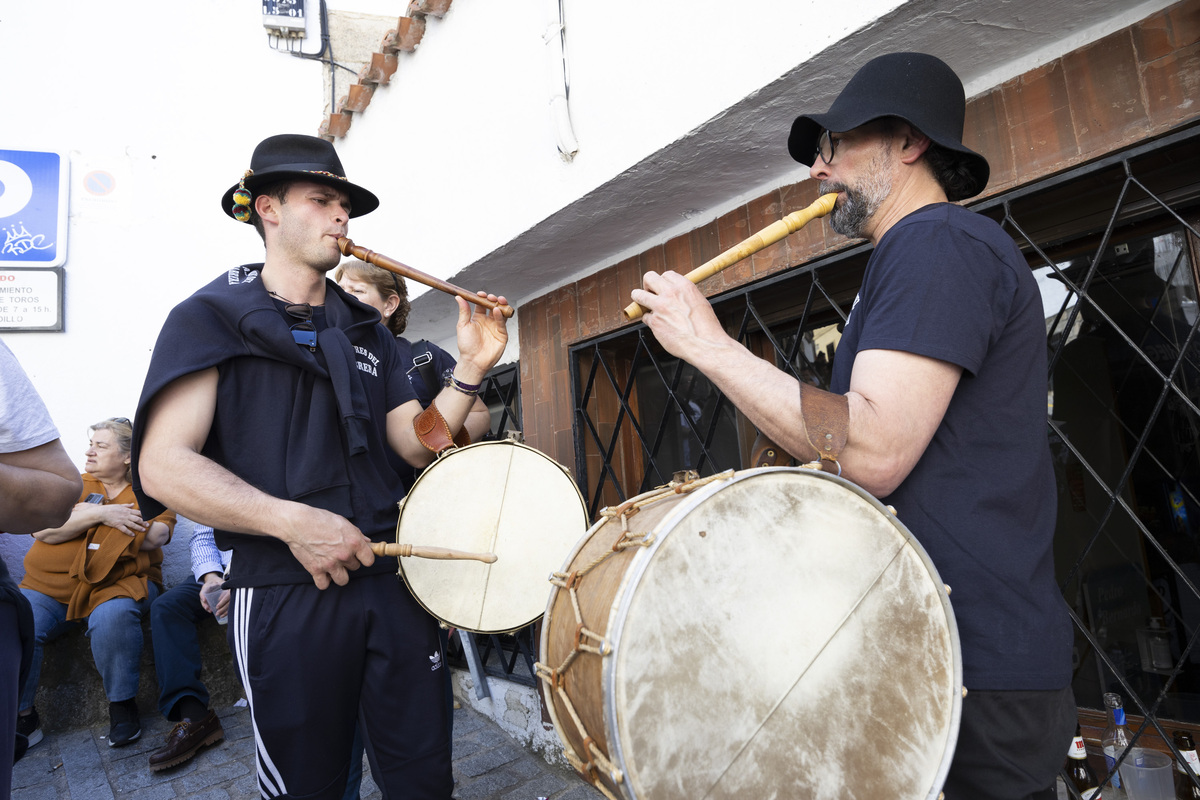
point(361, 201)
point(806, 131)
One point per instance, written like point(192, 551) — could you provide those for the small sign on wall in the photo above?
point(31, 299)
point(33, 208)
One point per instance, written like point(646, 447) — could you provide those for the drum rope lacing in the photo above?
point(554, 678)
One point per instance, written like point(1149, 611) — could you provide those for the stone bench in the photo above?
point(71, 695)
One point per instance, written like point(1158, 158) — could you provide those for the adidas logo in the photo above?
point(435, 661)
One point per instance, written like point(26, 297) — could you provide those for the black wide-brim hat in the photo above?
point(918, 88)
point(292, 156)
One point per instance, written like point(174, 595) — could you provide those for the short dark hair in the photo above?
point(950, 169)
point(279, 191)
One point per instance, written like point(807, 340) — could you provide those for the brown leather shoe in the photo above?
point(185, 740)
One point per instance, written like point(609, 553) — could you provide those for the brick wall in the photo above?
point(1127, 87)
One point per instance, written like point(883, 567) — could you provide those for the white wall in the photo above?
point(460, 145)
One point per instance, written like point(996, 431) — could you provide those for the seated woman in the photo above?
point(103, 566)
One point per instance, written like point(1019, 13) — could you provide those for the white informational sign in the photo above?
point(33, 208)
point(31, 299)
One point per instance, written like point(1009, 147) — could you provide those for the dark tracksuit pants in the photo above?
point(313, 662)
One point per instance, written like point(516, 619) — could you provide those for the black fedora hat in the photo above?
point(292, 156)
point(918, 88)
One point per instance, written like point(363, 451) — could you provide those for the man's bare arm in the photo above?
point(896, 399)
point(174, 472)
point(38, 488)
point(481, 338)
point(479, 420)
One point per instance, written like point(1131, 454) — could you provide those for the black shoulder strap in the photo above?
point(423, 361)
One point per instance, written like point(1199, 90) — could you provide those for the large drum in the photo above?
point(772, 633)
point(499, 497)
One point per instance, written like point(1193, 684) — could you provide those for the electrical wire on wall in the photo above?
point(559, 75)
point(325, 55)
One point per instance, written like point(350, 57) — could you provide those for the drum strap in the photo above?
point(765, 453)
point(422, 360)
point(826, 422)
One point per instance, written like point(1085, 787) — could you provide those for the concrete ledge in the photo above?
point(517, 709)
point(71, 695)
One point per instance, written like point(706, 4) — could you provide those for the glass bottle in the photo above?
point(1184, 788)
point(1114, 740)
point(1079, 771)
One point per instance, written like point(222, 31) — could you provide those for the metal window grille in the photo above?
point(1115, 245)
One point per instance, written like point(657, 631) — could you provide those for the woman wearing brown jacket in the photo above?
point(102, 567)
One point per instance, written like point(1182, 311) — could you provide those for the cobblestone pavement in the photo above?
point(79, 765)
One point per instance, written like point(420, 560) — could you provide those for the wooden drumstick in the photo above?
point(420, 551)
point(747, 247)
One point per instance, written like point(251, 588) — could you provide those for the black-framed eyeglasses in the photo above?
point(303, 332)
point(826, 147)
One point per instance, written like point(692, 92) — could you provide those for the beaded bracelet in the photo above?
point(465, 388)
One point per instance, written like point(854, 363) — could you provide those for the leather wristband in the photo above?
point(433, 432)
point(826, 423)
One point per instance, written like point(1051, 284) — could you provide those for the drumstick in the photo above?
point(768, 235)
point(420, 551)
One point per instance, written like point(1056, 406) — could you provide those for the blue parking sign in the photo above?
point(33, 208)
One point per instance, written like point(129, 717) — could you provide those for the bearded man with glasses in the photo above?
point(266, 411)
point(940, 378)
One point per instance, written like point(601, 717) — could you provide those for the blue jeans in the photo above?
point(173, 620)
point(115, 630)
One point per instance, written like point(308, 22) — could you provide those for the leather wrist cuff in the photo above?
point(433, 432)
point(826, 423)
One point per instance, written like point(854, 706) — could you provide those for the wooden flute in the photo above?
point(349, 248)
point(768, 235)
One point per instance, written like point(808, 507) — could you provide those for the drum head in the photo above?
point(493, 497)
point(784, 637)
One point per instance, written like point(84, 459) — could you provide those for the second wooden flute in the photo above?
point(768, 235)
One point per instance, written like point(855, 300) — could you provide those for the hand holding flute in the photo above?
point(680, 317)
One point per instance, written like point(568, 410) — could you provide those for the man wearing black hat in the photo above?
point(942, 371)
point(266, 411)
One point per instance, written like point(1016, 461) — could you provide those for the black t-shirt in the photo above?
point(440, 365)
point(301, 425)
point(950, 284)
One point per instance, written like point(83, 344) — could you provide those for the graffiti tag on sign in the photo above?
point(33, 208)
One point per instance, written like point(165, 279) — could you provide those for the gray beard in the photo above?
point(858, 205)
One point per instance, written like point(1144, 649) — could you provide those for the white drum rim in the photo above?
point(641, 561)
point(451, 454)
